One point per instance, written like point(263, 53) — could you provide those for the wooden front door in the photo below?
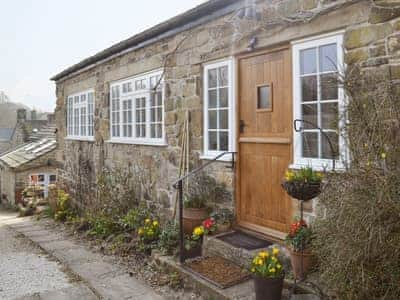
point(264, 141)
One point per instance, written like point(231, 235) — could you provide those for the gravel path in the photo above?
point(25, 271)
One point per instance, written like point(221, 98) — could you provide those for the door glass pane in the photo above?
point(308, 61)
point(212, 119)
point(329, 115)
point(223, 119)
point(212, 78)
point(212, 99)
point(310, 114)
point(310, 144)
point(309, 88)
point(264, 97)
point(325, 148)
point(329, 87)
point(223, 97)
point(328, 58)
point(212, 140)
point(223, 141)
point(223, 76)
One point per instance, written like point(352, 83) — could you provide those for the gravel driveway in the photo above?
point(26, 272)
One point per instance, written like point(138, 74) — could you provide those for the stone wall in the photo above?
point(7, 187)
point(272, 22)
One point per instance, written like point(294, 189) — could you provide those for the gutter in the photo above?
point(199, 15)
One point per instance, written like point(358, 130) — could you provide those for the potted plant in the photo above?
point(299, 242)
point(193, 243)
point(195, 208)
point(209, 225)
point(148, 235)
point(303, 184)
point(224, 219)
point(268, 275)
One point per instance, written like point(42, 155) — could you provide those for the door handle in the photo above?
point(241, 126)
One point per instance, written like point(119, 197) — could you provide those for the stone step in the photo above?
point(213, 246)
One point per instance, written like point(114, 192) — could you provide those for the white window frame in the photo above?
point(133, 94)
point(210, 154)
point(78, 106)
point(45, 183)
point(297, 47)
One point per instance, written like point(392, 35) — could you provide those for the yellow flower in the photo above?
point(383, 155)
point(147, 221)
point(279, 266)
point(273, 258)
point(259, 262)
point(263, 254)
point(289, 175)
point(272, 270)
point(140, 231)
point(275, 251)
point(198, 231)
point(253, 270)
point(155, 223)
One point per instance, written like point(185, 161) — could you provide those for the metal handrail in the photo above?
point(178, 184)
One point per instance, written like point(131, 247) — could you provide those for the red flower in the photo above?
point(208, 223)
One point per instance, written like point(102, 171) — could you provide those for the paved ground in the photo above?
point(26, 272)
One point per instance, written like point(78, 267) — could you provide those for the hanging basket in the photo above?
point(302, 190)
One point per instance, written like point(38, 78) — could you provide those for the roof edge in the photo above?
point(202, 10)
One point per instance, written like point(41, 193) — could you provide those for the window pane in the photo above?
point(309, 88)
point(159, 115)
point(223, 76)
point(308, 61)
point(152, 115)
point(263, 97)
point(223, 141)
point(329, 115)
point(153, 130)
point(223, 97)
point(212, 78)
point(159, 130)
point(310, 114)
point(212, 119)
point(325, 148)
point(310, 144)
point(212, 140)
point(329, 87)
point(212, 99)
point(223, 119)
point(328, 58)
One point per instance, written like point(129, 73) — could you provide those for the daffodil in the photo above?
point(253, 270)
point(155, 223)
point(279, 266)
point(272, 270)
point(198, 231)
point(147, 221)
point(260, 261)
point(263, 254)
point(274, 259)
point(275, 251)
point(140, 231)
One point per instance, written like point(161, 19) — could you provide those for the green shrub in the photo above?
point(102, 226)
point(64, 208)
point(169, 239)
point(135, 218)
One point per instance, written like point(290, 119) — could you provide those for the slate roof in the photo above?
point(45, 132)
point(28, 152)
point(6, 134)
point(196, 16)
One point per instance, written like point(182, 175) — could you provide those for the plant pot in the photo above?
point(192, 253)
point(302, 190)
point(268, 288)
point(295, 260)
point(192, 217)
point(221, 228)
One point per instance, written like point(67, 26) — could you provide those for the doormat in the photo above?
point(218, 271)
point(240, 239)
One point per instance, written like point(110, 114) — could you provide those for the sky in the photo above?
point(40, 38)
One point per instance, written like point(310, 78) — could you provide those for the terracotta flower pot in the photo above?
point(268, 288)
point(192, 217)
point(295, 260)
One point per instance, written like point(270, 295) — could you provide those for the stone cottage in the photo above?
point(241, 72)
point(27, 164)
